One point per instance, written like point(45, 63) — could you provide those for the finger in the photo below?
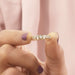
point(54, 54)
point(14, 37)
point(12, 71)
point(18, 57)
point(53, 51)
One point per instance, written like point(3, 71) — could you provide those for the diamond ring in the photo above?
point(40, 37)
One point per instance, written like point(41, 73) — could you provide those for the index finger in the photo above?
point(15, 37)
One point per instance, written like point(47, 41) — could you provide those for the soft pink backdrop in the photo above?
point(42, 17)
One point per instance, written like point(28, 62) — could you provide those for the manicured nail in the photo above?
point(24, 36)
point(40, 69)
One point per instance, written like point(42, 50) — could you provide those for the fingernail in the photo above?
point(40, 69)
point(24, 36)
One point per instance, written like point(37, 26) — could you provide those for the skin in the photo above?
point(16, 61)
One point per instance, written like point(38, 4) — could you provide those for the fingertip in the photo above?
point(26, 38)
point(54, 37)
point(40, 69)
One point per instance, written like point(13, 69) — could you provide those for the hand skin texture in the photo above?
point(15, 61)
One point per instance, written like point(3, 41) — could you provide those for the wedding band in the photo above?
point(40, 37)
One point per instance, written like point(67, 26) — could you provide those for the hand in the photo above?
point(15, 61)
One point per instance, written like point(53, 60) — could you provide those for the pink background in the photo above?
point(42, 17)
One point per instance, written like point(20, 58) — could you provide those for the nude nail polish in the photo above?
point(24, 36)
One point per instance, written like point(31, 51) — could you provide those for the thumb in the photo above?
point(52, 47)
point(54, 54)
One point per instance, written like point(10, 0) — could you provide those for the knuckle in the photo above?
point(32, 59)
point(6, 46)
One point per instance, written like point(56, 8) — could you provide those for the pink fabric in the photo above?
point(42, 17)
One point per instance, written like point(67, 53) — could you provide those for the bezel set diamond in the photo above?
point(40, 37)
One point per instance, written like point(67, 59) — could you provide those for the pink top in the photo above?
point(42, 17)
